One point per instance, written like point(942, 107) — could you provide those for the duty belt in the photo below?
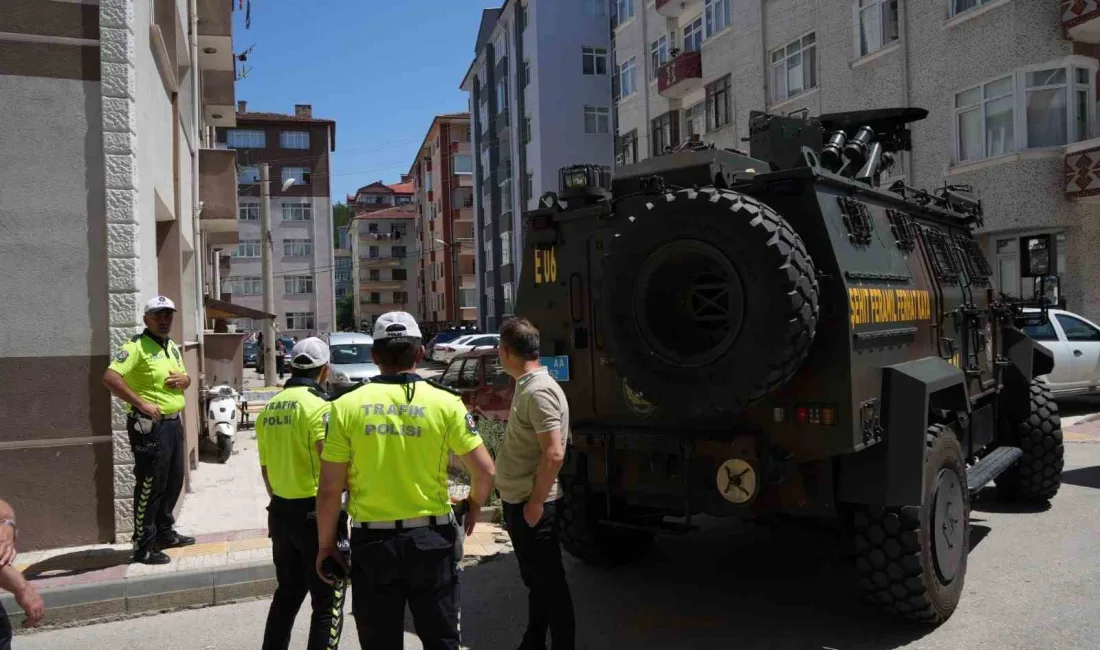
point(139, 414)
point(402, 524)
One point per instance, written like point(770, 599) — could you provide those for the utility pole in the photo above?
point(270, 371)
point(457, 304)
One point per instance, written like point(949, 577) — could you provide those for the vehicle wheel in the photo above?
point(912, 559)
point(583, 537)
point(708, 321)
point(225, 447)
point(1037, 476)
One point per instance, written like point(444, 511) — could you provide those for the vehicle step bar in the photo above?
point(991, 467)
point(661, 527)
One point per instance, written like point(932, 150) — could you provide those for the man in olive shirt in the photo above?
point(149, 375)
point(527, 479)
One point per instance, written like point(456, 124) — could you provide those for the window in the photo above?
point(505, 247)
point(695, 120)
point(374, 298)
point(1077, 329)
point(1047, 108)
point(372, 252)
point(245, 139)
point(247, 248)
point(294, 139)
point(597, 119)
point(400, 297)
point(628, 148)
point(959, 6)
point(693, 35)
point(628, 76)
point(374, 275)
point(718, 103)
point(297, 212)
point(398, 251)
point(400, 275)
point(502, 95)
point(469, 378)
point(463, 163)
point(878, 24)
point(526, 134)
point(467, 298)
point(248, 175)
point(298, 247)
point(246, 285)
point(526, 72)
point(719, 15)
point(248, 211)
point(593, 60)
point(984, 120)
point(794, 68)
point(665, 132)
point(299, 320)
point(298, 284)
point(658, 55)
point(508, 305)
point(593, 7)
point(624, 11)
point(490, 305)
point(529, 186)
point(524, 17)
point(244, 325)
point(299, 174)
point(487, 249)
point(1042, 332)
point(451, 374)
point(428, 181)
point(506, 195)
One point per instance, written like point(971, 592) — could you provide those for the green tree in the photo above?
point(340, 214)
point(345, 313)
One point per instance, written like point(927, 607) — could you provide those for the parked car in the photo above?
point(1075, 342)
point(486, 389)
point(351, 360)
point(447, 336)
point(446, 351)
point(251, 352)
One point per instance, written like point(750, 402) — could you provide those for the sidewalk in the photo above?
point(1086, 429)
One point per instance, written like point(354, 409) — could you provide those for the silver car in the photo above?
point(351, 360)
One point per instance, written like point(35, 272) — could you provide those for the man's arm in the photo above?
point(336, 454)
point(120, 389)
point(267, 481)
point(7, 534)
point(546, 417)
point(550, 462)
point(13, 581)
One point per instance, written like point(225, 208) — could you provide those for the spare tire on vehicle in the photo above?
point(710, 300)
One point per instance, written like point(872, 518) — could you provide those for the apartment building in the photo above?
point(383, 243)
point(540, 98)
point(298, 149)
point(1010, 85)
point(91, 93)
point(443, 179)
point(379, 196)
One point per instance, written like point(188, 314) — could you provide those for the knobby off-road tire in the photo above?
point(908, 563)
point(711, 299)
point(1037, 476)
point(583, 537)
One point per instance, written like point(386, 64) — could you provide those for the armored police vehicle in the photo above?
point(780, 331)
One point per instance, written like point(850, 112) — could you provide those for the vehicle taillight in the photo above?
point(816, 414)
point(801, 414)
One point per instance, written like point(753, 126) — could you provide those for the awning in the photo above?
point(221, 309)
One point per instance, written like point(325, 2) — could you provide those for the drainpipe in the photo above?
point(199, 254)
point(648, 126)
point(764, 51)
point(906, 95)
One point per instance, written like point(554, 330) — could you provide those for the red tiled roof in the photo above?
point(402, 188)
point(280, 117)
point(395, 212)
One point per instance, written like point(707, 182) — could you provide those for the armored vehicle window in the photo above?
point(1041, 332)
point(1077, 329)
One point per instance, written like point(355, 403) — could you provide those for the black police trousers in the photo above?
point(418, 566)
point(292, 526)
point(549, 602)
point(5, 630)
point(159, 458)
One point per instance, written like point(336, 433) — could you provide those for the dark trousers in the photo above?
point(418, 566)
point(293, 529)
point(549, 603)
point(159, 458)
point(5, 630)
point(279, 359)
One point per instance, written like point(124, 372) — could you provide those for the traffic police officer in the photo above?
point(149, 375)
point(290, 432)
point(389, 441)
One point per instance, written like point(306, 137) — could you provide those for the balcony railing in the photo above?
point(677, 8)
point(1081, 20)
point(1082, 165)
point(681, 75)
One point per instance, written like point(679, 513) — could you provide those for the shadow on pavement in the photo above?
point(987, 501)
point(1085, 477)
point(755, 586)
point(73, 564)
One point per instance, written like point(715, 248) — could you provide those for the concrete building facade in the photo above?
point(1010, 85)
point(540, 99)
point(296, 147)
point(383, 245)
point(443, 178)
point(103, 178)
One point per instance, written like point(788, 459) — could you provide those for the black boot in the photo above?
point(172, 539)
point(150, 556)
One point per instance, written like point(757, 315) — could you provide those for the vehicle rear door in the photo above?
point(495, 397)
point(1061, 377)
point(452, 378)
point(468, 380)
point(1083, 342)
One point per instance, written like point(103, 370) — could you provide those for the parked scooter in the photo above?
point(222, 403)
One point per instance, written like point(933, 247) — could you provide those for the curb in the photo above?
point(81, 604)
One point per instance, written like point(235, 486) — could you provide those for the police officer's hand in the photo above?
point(325, 553)
point(32, 605)
point(177, 380)
point(152, 410)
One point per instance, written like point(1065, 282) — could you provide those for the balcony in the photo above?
point(677, 8)
point(381, 262)
point(383, 307)
point(681, 75)
point(1081, 20)
point(215, 26)
point(1083, 171)
point(218, 98)
point(381, 285)
point(218, 191)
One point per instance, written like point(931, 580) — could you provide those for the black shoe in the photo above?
point(151, 557)
point(173, 540)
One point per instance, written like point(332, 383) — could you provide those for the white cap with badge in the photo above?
point(396, 325)
point(159, 303)
point(309, 353)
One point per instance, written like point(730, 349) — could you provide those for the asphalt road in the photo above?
point(1033, 582)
